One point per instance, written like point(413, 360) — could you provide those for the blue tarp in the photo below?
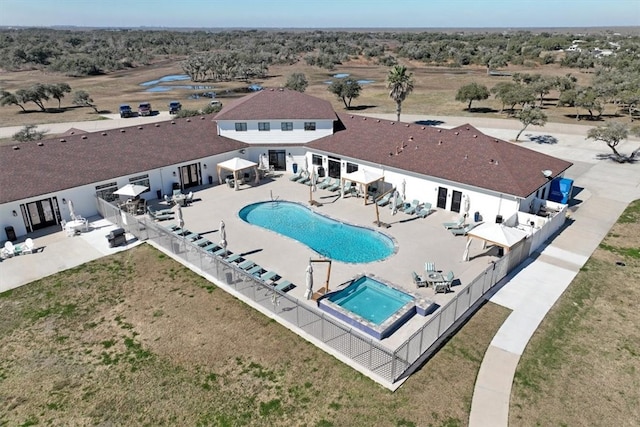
point(561, 189)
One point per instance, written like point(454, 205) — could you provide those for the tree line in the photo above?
point(39, 93)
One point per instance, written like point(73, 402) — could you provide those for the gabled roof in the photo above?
point(277, 104)
point(86, 158)
point(236, 164)
point(463, 154)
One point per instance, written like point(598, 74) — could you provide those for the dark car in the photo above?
point(144, 109)
point(126, 111)
point(174, 107)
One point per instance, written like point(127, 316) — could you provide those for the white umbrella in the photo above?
point(131, 190)
point(314, 180)
point(306, 163)
point(467, 205)
point(403, 187)
point(178, 211)
point(465, 255)
point(309, 292)
point(223, 231)
point(223, 244)
point(394, 202)
point(263, 162)
point(72, 213)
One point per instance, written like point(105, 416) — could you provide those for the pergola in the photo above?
point(235, 166)
point(495, 234)
point(362, 177)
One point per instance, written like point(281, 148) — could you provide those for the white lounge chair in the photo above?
point(28, 246)
point(8, 250)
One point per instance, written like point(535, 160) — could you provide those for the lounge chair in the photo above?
point(202, 242)
point(246, 264)
point(424, 211)
point(384, 201)
point(411, 209)
point(8, 250)
point(212, 247)
point(418, 281)
point(269, 276)
point(256, 270)
point(445, 285)
point(222, 252)
point(306, 178)
point(335, 186)
point(192, 237)
point(326, 183)
point(463, 230)
point(27, 248)
point(457, 224)
point(234, 258)
point(295, 176)
point(285, 286)
point(348, 188)
point(189, 199)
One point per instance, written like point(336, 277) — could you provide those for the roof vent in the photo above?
point(490, 160)
point(467, 127)
point(202, 118)
point(410, 138)
point(15, 147)
point(423, 128)
point(140, 127)
point(439, 130)
point(72, 132)
point(173, 122)
point(352, 117)
point(104, 134)
point(440, 142)
point(406, 125)
point(456, 133)
point(188, 120)
point(364, 118)
point(496, 162)
point(475, 136)
point(157, 125)
point(122, 130)
point(84, 136)
point(466, 157)
point(496, 140)
point(40, 144)
point(378, 121)
point(63, 140)
point(393, 123)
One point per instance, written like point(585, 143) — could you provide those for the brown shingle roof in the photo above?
point(463, 154)
point(73, 160)
point(277, 104)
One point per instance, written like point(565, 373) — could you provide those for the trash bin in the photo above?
point(158, 194)
point(476, 217)
point(320, 172)
point(229, 278)
point(11, 233)
point(295, 168)
point(498, 219)
point(210, 180)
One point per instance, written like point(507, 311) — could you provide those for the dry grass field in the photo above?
point(434, 92)
point(582, 366)
point(137, 339)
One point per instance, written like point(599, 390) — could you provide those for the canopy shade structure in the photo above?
point(235, 166)
point(362, 176)
point(131, 190)
point(495, 234)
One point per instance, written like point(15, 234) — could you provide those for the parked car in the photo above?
point(126, 111)
point(144, 109)
point(174, 107)
point(215, 102)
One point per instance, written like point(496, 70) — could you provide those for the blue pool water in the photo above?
point(371, 300)
point(341, 75)
point(171, 78)
point(328, 237)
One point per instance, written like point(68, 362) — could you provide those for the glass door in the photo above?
point(455, 201)
point(190, 175)
point(442, 197)
point(41, 214)
point(277, 160)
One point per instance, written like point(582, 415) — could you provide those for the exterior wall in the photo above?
point(252, 135)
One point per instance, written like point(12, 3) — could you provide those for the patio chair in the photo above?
point(8, 250)
point(463, 230)
point(384, 201)
point(429, 267)
point(411, 209)
point(189, 199)
point(457, 224)
point(445, 285)
point(28, 246)
point(256, 270)
point(306, 178)
point(269, 276)
point(424, 211)
point(335, 186)
point(246, 264)
point(419, 281)
point(234, 258)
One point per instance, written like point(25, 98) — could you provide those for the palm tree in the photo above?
point(401, 85)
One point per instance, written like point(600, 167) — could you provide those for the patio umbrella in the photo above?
point(465, 255)
point(309, 279)
point(467, 205)
point(394, 202)
point(314, 180)
point(223, 231)
point(131, 190)
point(306, 163)
point(178, 211)
point(263, 162)
point(72, 213)
point(403, 187)
point(223, 245)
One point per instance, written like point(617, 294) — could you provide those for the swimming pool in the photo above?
point(376, 308)
point(328, 237)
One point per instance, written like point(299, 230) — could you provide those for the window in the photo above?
point(309, 125)
point(141, 180)
point(351, 167)
point(264, 126)
point(105, 191)
point(285, 126)
point(241, 127)
point(316, 160)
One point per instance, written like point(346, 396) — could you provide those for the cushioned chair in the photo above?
point(424, 211)
point(335, 186)
point(462, 231)
point(411, 209)
point(418, 281)
point(285, 286)
point(28, 246)
point(385, 199)
point(445, 285)
point(429, 267)
point(295, 176)
point(8, 250)
point(457, 224)
point(326, 183)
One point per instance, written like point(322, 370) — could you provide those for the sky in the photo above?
point(321, 13)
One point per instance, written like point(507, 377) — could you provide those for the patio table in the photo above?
point(433, 278)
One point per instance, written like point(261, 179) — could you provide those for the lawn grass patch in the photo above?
point(208, 359)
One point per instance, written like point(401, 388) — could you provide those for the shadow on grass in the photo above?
point(542, 139)
point(430, 122)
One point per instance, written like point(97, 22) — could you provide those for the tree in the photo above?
point(531, 116)
point(8, 98)
point(57, 91)
point(472, 92)
point(612, 134)
point(37, 94)
point(297, 82)
point(28, 133)
point(345, 89)
point(400, 83)
point(513, 93)
point(82, 98)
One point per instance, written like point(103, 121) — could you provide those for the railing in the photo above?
point(366, 352)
